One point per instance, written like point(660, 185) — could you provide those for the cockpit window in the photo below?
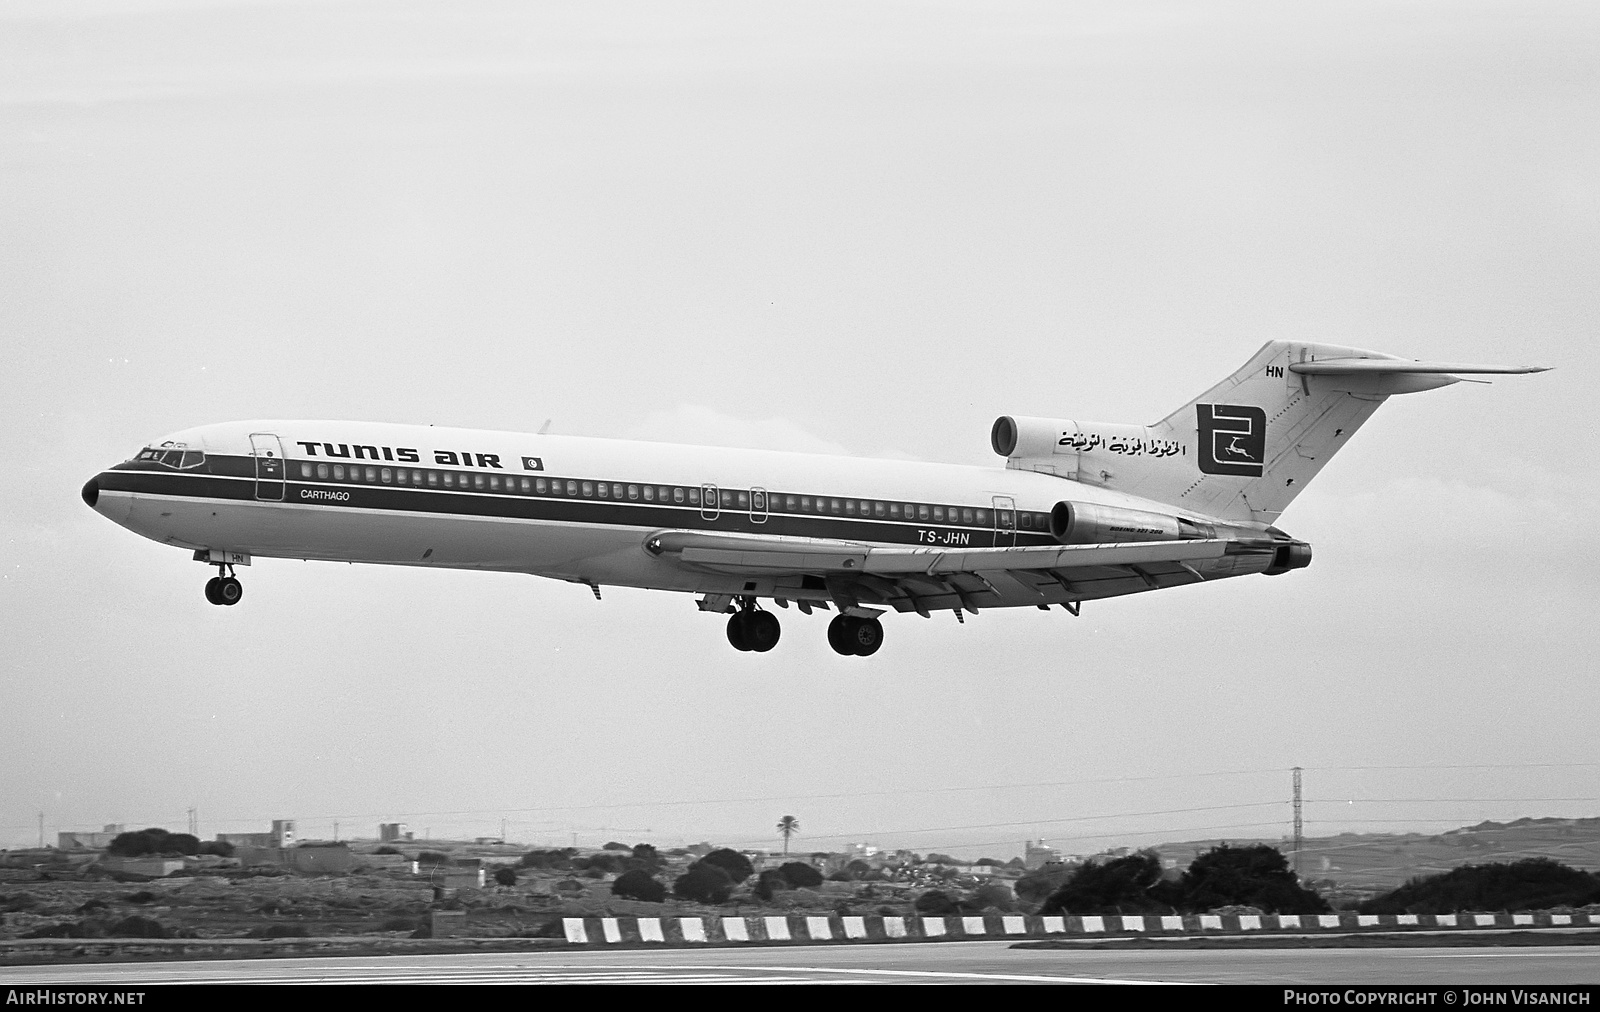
point(174, 455)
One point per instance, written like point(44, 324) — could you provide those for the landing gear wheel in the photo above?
point(761, 630)
point(736, 631)
point(868, 636)
point(229, 591)
point(859, 637)
point(211, 590)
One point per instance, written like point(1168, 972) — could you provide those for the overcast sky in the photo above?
point(857, 227)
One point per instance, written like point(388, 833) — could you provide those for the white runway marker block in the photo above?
point(1249, 922)
point(1288, 920)
point(1445, 920)
point(1171, 923)
point(650, 930)
point(1407, 919)
point(1132, 923)
point(855, 927)
point(611, 928)
point(1014, 925)
point(694, 929)
point(1484, 920)
point(735, 930)
point(1327, 920)
point(894, 927)
point(573, 926)
point(1556, 919)
point(933, 927)
point(1210, 922)
point(1366, 920)
point(777, 928)
point(819, 929)
point(1054, 924)
point(1521, 918)
point(973, 926)
point(1094, 924)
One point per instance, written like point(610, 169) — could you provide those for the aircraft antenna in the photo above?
point(1298, 826)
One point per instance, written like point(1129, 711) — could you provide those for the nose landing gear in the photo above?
point(749, 629)
point(860, 637)
point(224, 589)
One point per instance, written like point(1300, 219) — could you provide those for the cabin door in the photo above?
point(1005, 521)
point(270, 467)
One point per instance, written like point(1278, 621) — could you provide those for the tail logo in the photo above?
point(1233, 439)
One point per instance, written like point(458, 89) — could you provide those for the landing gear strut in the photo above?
point(224, 588)
point(749, 629)
point(858, 636)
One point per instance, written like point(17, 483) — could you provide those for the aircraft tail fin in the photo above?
point(1245, 448)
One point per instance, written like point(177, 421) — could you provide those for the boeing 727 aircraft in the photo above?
point(1080, 511)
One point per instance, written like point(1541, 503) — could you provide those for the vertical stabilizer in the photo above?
point(1245, 448)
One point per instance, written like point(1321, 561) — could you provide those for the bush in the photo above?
point(399, 924)
point(1256, 876)
point(153, 841)
point(142, 896)
point(639, 885)
point(603, 863)
point(217, 848)
point(994, 897)
point(1129, 884)
point(555, 860)
point(570, 885)
point(858, 869)
point(1036, 886)
point(432, 858)
point(935, 902)
point(614, 845)
point(139, 927)
point(704, 883)
point(1534, 884)
point(386, 849)
point(734, 863)
point(646, 855)
point(505, 876)
point(801, 875)
point(282, 931)
point(769, 882)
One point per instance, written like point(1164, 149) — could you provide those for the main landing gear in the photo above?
point(749, 629)
point(858, 636)
point(224, 588)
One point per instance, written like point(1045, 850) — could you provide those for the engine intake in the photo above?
point(1077, 523)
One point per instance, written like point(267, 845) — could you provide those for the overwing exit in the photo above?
point(1080, 510)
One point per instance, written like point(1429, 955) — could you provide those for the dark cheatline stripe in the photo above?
point(194, 484)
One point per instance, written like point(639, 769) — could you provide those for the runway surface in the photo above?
point(917, 963)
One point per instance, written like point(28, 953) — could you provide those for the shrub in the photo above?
point(386, 849)
point(145, 842)
point(282, 931)
point(704, 883)
point(941, 859)
point(139, 927)
point(142, 896)
point(1129, 884)
point(935, 902)
point(1255, 876)
point(217, 848)
point(399, 924)
point(1534, 884)
point(1036, 886)
point(646, 854)
point(734, 863)
point(858, 869)
point(639, 885)
point(801, 875)
point(432, 858)
point(570, 885)
point(602, 863)
point(769, 882)
point(556, 860)
point(505, 876)
point(614, 845)
point(994, 897)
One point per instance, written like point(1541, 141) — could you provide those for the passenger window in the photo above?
point(633, 492)
point(938, 514)
point(694, 497)
point(835, 507)
point(744, 500)
point(338, 472)
point(572, 488)
point(588, 490)
point(605, 490)
point(1006, 520)
point(372, 474)
point(677, 495)
point(433, 479)
point(983, 517)
point(850, 507)
point(894, 511)
point(966, 517)
point(805, 504)
point(305, 470)
point(922, 512)
point(385, 475)
point(322, 471)
point(727, 499)
point(649, 493)
point(1027, 520)
point(880, 509)
point(541, 486)
point(527, 485)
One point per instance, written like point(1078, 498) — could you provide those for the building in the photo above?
point(393, 832)
point(282, 836)
point(144, 867)
point(89, 841)
point(1037, 855)
point(308, 858)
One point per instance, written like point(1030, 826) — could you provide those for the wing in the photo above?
point(854, 575)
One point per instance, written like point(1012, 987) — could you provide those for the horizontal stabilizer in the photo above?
point(1396, 367)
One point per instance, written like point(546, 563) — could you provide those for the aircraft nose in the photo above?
point(91, 491)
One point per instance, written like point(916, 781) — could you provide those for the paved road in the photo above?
point(949, 963)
